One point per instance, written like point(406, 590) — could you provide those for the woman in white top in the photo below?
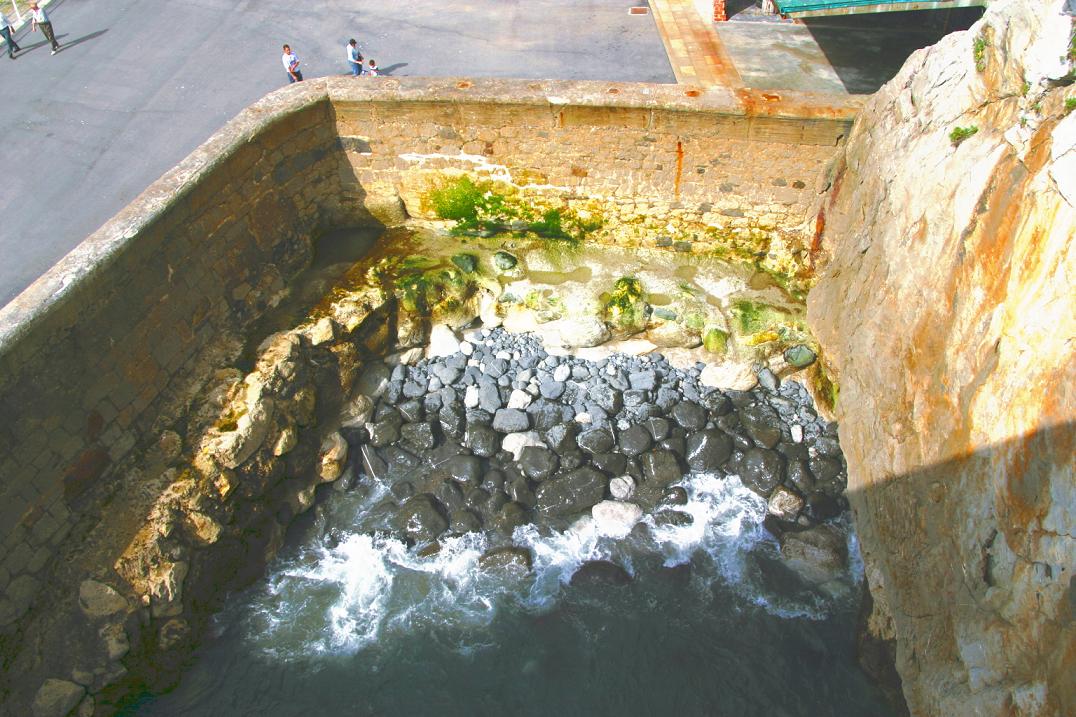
point(5, 32)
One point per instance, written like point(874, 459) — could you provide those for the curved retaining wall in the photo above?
point(106, 350)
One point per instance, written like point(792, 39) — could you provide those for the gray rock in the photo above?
point(462, 469)
point(622, 487)
point(634, 441)
point(707, 450)
point(799, 356)
point(760, 470)
point(482, 440)
point(384, 432)
point(572, 492)
point(610, 463)
point(56, 698)
point(660, 468)
point(658, 428)
point(419, 435)
point(690, 416)
point(504, 261)
point(519, 490)
point(762, 424)
point(561, 437)
point(599, 573)
point(674, 495)
point(98, 600)
point(643, 380)
point(824, 469)
point(800, 477)
point(509, 557)
point(510, 420)
point(464, 521)
point(448, 375)
point(596, 440)
point(551, 389)
point(508, 518)
point(605, 396)
point(538, 463)
point(489, 396)
point(768, 380)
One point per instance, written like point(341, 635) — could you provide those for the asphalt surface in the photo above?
point(139, 84)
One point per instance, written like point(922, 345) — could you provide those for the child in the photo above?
point(372, 69)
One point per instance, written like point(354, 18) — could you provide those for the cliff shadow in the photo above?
point(866, 51)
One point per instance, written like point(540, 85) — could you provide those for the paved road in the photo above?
point(141, 83)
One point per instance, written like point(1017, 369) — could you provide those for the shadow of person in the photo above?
point(79, 41)
point(391, 68)
point(23, 49)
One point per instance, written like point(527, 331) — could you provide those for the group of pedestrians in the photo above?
point(39, 20)
point(355, 62)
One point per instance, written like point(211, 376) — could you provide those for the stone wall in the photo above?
point(103, 346)
point(946, 310)
point(103, 355)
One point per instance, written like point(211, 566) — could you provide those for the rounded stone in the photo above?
point(622, 487)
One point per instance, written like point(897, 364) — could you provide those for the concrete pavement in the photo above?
point(140, 83)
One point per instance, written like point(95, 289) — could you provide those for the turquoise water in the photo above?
point(711, 623)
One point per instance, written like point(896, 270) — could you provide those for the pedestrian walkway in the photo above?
point(697, 55)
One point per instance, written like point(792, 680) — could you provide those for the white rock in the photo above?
point(519, 399)
point(332, 457)
point(784, 504)
point(583, 331)
point(358, 412)
point(614, 518)
point(514, 443)
point(737, 376)
point(503, 355)
point(408, 357)
point(56, 698)
point(622, 488)
point(443, 342)
point(99, 600)
point(322, 332)
point(562, 373)
point(797, 432)
point(583, 417)
point(470, 397)
point(487, 311)
point(466, 348)
point(525, 375)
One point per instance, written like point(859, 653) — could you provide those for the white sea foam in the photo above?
point(343, 597)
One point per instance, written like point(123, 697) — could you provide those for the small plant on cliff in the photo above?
point(978, 51)
point(959, 134)
point(1070, 105)
point(626, 306)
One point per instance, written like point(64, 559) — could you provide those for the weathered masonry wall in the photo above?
point(102, 353)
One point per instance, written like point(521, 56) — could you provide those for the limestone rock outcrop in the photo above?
point(946, 312)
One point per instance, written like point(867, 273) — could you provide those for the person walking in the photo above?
point(291, 64)
point(40, 19)
point(354, 58)
point(5, 32)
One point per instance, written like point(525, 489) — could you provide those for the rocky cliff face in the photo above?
point(945, 309)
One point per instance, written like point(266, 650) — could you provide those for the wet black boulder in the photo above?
point(571, 492)
point(762, 424)
point(598, 573)
point(420, 519)
point(661, 468)
point(761, 470)
point(538, 463)
point(708, 450)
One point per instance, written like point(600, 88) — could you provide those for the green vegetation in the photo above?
point(716, 341)
point(959, 134)
point(626, 306)
point(1026, 88)
point(1070, 105)
point(978, 51)
point(423, 285)
point(485, 207)
point(467, 263)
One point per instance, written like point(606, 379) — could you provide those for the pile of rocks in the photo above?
point(492, 432)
